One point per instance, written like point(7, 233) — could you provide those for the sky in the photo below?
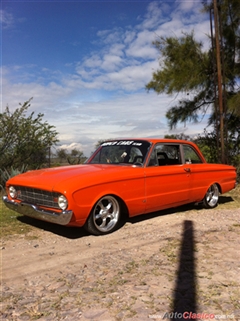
point(86, 64)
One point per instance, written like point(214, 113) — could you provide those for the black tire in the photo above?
point(104, 217)
point(212, 196)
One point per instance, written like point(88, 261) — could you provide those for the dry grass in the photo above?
point(230, 200)
point(10, 224)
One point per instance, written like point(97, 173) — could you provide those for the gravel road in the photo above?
point(164, 265)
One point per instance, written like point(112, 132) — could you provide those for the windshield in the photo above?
point(121, 152)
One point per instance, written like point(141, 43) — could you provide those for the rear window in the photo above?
point(190, 155)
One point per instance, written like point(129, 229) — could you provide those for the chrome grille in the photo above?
point(37, 196)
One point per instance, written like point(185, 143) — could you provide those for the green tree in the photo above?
point(207, 143)
point(184, 68)
point(229, 11)
point(74, 157)
point(24, 139)
point(178, 136)
point(62, 154)
point(99, 143)
point(187, 70)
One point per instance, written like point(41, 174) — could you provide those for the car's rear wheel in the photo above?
point(211, 198)
point(105, 216)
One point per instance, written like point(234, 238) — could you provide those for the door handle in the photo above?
point(187, 169)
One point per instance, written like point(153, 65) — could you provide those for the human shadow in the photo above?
point(184, 295)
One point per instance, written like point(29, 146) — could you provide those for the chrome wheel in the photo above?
point(211, 197)
point(104, 216)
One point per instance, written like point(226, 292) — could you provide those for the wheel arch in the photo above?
point(124, 208)
point(218, 186)
point(211, 197)
point(123, 205)
point(210, 184)
point(104, 219)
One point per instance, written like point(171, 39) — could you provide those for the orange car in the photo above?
point(132, 176)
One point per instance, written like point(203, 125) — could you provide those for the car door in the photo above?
point(197, 168)
point(167, 179)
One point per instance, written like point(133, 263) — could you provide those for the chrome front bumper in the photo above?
point(61, 218)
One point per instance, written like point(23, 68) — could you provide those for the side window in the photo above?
point(190, 155)
point(164, 154)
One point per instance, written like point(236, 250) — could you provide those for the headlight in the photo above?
point(12, 192)
point(62, 202)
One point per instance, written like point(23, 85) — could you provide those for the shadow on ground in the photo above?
point(78, 232)
point(225, 199)
point(64, 231)
point(184, 295)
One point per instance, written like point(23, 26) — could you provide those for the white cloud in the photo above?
point(104, 96)
point(135, 115)
point(117, 49)
point(6, 19)
point(142, 46)
point(110, 36)
point(111, 62)
point(191, 7)
point(154, 15)
point(129, 36)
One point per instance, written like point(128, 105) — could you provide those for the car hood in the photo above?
point(83, 175)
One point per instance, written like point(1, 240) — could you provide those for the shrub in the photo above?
point(6, 174)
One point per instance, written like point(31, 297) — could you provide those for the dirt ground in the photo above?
point(164, 265)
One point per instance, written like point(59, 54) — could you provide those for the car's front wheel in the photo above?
point(105, 216)
point(211, 198)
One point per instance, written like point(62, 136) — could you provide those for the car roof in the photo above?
point(153, 140)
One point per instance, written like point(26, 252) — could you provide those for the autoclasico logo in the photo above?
point(193, 316)
point(188, 315)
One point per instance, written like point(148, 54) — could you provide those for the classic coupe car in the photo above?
point(123, 176)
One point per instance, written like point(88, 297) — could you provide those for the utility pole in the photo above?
point(215, 86)
point(219, 76)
